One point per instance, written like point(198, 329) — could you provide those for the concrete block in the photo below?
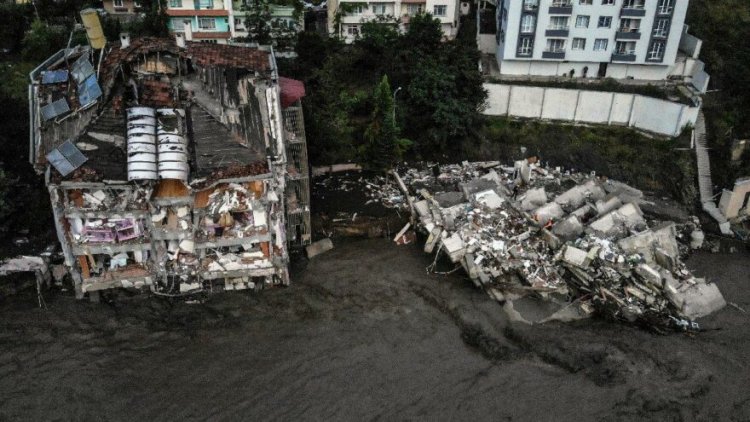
point(568, 229)
point(533, 198)
point(700, 300)
point(547, 212)
point(317, 248)
point(575, 256)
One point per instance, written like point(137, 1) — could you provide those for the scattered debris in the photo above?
point(576, 239)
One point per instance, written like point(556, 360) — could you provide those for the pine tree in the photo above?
point(381, 136)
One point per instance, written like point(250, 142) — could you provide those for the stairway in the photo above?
point(705, 186)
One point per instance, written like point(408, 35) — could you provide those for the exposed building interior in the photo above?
point(174, 166)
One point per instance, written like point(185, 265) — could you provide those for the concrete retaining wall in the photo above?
point(574, 105)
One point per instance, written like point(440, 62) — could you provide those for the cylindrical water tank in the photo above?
point(172, 145)
point(141, 133)
point(90, 18)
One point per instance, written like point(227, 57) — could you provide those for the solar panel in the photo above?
point(54, 109)
point(89, 91)
point(82, 69)
point(66, 158)
point(54, 77)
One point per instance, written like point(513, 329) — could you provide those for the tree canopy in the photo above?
point(437, 107)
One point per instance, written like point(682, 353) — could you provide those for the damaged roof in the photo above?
point(153, 72)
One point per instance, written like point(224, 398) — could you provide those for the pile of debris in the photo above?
point(574, 238)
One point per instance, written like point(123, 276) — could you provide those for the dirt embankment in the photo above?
point(365, 333)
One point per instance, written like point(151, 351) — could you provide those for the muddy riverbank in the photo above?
point(365, 333)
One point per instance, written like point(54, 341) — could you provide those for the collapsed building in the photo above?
point(171, 166)
point(575, 239)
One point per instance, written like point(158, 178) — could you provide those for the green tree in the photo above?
point(381, 148)
point(42, 40)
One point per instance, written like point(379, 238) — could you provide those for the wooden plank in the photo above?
point(83, 262)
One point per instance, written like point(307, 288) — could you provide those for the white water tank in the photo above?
point(172, 145)
point(141, 134)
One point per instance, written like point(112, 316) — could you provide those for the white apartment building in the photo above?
point(358, 12)
point(621, 39)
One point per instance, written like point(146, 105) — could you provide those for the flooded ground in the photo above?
point(365, 333)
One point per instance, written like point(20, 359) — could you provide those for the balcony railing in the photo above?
point(524, 52)
point(623, 56)
point(633, 12)
point(628, 34)
point(558, 53)
point(661, 33)
point(556, 31)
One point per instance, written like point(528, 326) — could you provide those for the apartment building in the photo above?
point(122, 7)
point(621, 39)
point(282, 18)
point(201, 20)
point(356, 13)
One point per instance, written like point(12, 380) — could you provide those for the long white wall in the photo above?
point(575, 105)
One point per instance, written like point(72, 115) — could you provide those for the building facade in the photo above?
point(201, 20)
point(222, 21)
point(346, 17)
point(621, 39)
point(282, 18)
point(122, 7)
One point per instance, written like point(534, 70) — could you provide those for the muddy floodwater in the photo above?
point(365, 333)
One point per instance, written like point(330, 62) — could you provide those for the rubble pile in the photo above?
point(526, 229)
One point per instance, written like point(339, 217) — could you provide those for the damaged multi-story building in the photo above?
point(172, 166)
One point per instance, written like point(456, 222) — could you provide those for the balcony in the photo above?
point(561, 10)
point(628, 34)
point(661, 33)
point(557, 32)
point(553, 54)
point(635, 12)
point(623, 56)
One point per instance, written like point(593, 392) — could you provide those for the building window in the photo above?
point(358, 9)
point(118, 3)
point(178, 25)
point(625, 47)
point(579, 44)
point(238, 22)
point(204, 4)
point(530, 4)
point(582, 21)
point(527, 23)
point(586, 2)
point(206, 23)
point(378, 9)
point(558, 22)
point(352, 30)
point(608, 2)
point(665, 7)
point(525, 46)
point(662, 28)
point(630, 25)
point(605, 21)
point(633, 4)
point(440, 10)
point(555, 45)
point(600, 44)
point(414, 9)
point(656, 52)
point(175, 3)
